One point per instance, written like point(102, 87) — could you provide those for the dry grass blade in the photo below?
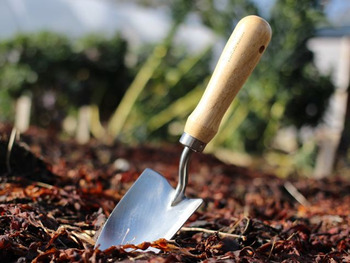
point(119, 117)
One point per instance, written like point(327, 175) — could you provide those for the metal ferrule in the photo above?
point(192, 143)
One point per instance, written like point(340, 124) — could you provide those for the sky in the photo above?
point(338, 12)
point(81, 16)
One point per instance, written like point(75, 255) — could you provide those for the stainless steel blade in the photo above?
point(146, 213)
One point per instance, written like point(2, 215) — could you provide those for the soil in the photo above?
point(55, 195)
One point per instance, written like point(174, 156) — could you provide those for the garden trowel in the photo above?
point(152, 208)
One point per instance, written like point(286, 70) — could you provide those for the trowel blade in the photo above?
point(145, 213)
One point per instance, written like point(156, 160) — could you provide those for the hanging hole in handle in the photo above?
point(261, 49)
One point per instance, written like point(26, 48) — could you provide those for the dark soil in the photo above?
point(55, 195)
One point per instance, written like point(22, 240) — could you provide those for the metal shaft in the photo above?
point(183, 175)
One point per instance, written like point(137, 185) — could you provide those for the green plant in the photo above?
point(62, 74)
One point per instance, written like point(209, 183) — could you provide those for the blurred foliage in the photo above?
point(144, 74)
point(175, 73)
point(308, 90)
point(176, 77)
point(63, 75)
point(284, 90)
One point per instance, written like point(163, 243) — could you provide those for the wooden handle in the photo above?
point(238, 59)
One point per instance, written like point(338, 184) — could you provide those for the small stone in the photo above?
point(121, 165)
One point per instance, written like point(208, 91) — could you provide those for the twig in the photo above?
point(209, 231)
point(293, 191)
point(44, 185)
point(9, 149)
point(247, 225)
point(291, 236)
point(230, 231)
point(272, 247)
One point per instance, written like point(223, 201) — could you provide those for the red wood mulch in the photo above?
point(59, 194)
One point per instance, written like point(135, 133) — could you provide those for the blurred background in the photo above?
point(132, 71)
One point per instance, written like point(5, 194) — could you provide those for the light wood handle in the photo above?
point(238, 59)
